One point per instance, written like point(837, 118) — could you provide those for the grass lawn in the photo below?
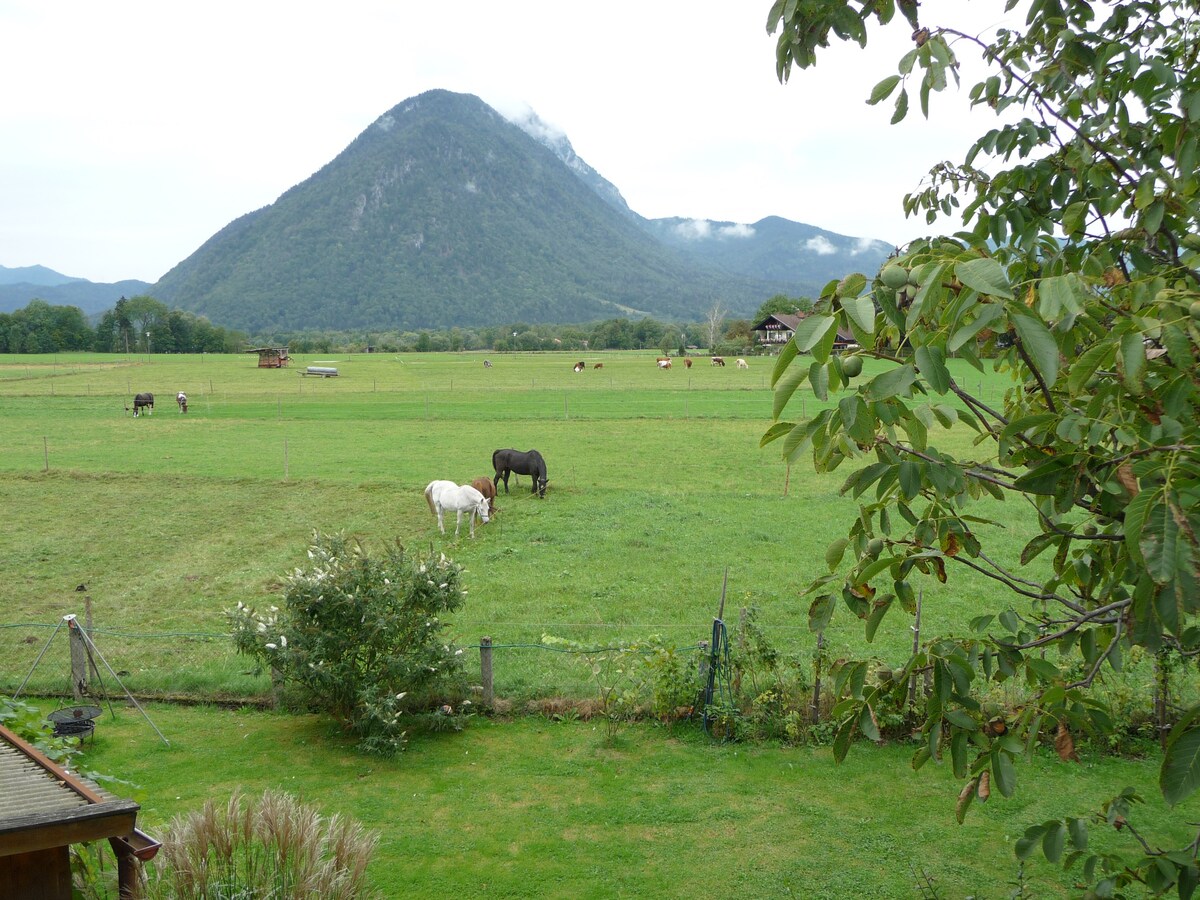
point(534, 808)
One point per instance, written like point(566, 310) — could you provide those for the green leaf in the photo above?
point(988, 313)
point(892, 383)
point(1054, 841)
point(1004, 774)
point(861, 311)
point(811, 330)
point(901, 107)
point(1073, 217)
point(820, 612)
point(1180, 772)
point(960, 718)
point(785, 388)
point(1133, 359)
point(1164, 552)
point(1039, 344)
point(932, 363)
point(775, 432)
point(833, 555)
point(1028, 842)
point(985, 275)
point(841, 740)
point(1086, 364)
point(789, 352)
point(884, 89)
point(878, 611)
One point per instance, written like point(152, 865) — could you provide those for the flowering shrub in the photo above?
point(362, 638)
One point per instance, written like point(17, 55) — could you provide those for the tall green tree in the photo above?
point(1078, 274)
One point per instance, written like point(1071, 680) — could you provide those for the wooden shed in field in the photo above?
point(271, 357)
point(43, 810)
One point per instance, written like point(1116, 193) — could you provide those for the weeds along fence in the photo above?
point(772, 692)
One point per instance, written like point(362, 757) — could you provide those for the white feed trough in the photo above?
point(323, 371)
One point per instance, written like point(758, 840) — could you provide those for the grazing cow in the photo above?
point(742, 364)
point(487, 363)
point(718, 360)
point(487, 487)
point(688, 362)
point(142, 401)
point(580, 366)
point(181, 399)
point(598, 366)
point(664, 362)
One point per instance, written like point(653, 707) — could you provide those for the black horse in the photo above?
point(528, 463)
point(142, 401)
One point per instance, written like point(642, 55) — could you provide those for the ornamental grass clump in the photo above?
point(273, 846)
point(361, 637)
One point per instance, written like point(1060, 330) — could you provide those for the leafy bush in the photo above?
point(361, 638)
point(271, 847)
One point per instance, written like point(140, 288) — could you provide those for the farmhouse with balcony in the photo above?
point(778, 328)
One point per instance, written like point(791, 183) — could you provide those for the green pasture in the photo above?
point(657, 488)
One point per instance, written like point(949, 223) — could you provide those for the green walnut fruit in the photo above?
point(1191, 241)
point(1194, 310)
point(874, 547)
point(894, 276)
point(852, 366)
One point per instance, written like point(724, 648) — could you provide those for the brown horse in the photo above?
point(487, 487)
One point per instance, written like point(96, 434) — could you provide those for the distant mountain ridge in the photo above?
point(20, 285)
point(443, 213)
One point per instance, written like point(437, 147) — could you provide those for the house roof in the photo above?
point(787, 320)
point(43, 805)
point(792, 322)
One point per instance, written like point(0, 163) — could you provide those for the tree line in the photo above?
point(143, 324)
point(135, 325)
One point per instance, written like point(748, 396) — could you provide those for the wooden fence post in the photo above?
point(485, 671)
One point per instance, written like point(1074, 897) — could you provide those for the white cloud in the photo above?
point(819, 245)
point(694, 229)
point(702, 229)
point(736, 231)
point(866, 245)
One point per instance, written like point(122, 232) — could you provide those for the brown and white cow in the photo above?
point(664, 362)
point(718, 360)
point(579, 366)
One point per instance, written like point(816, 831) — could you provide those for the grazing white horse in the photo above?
point(742, 364)
point(444, 495)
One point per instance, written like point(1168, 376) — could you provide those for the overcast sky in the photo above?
point(131, 132)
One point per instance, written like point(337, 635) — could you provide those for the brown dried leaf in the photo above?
point(1128, 479)
point(985, 786)
point(965, 796)
point(1064, 744)
point(950, 546)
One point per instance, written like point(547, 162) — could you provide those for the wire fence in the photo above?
point(38, 660)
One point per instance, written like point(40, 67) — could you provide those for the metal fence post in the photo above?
point(485, 671)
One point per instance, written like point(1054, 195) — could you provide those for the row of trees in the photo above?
point(144, 325)
point(716, 331)
point(135, 325)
